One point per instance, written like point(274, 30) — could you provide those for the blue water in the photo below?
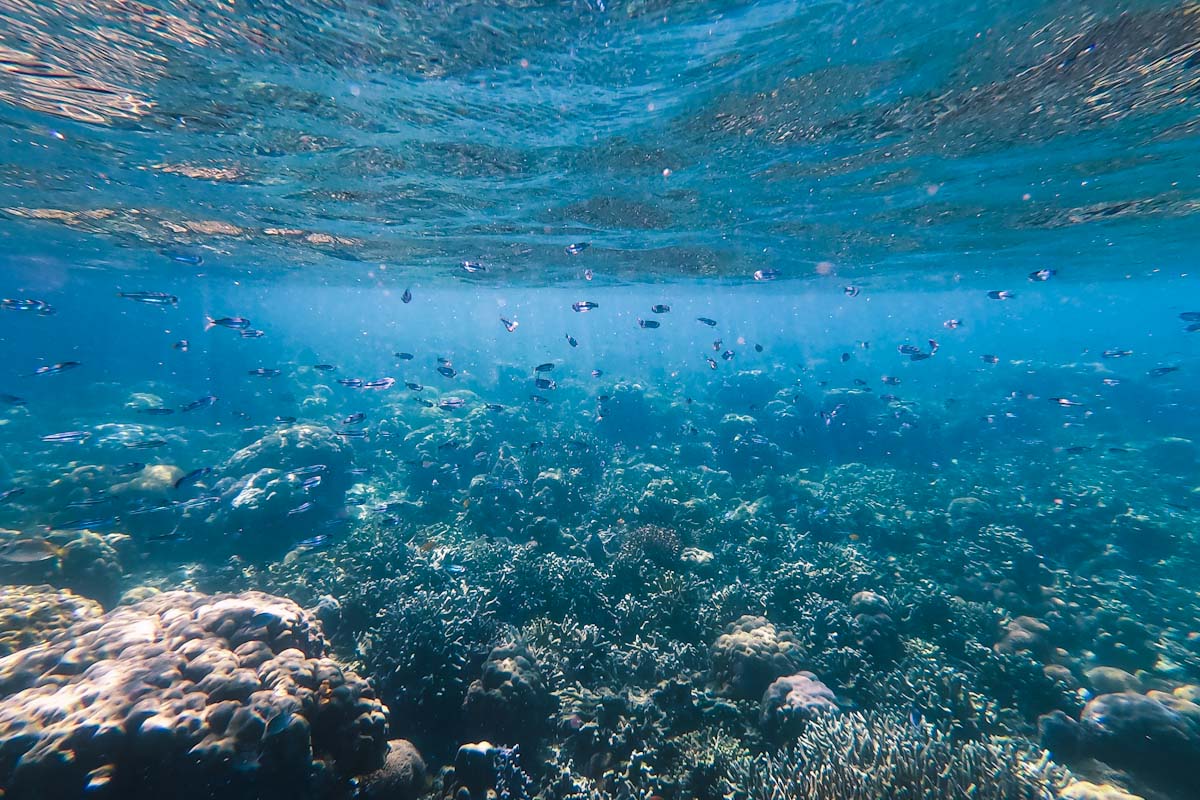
point(928, 332)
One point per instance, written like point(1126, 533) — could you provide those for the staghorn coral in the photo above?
point(864, 757)
point(185, 695)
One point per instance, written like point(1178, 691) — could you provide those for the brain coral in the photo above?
point(749, 655)
point(186, 695)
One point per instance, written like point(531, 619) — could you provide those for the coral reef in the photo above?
point(186, 695)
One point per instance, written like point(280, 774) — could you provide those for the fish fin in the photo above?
point(209, 324)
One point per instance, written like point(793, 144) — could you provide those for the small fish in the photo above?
point(660, 309)
point(988, 358)
point(1001, 294)
point(9, 494)
point(1195, 326)
point(920, 356)
point(55, 369)
point(90, 502)
point(151, 298)
point(234, 323)
point(584, 306)
point(416, 387)
point(452, 444)
point(1190, 316)
point(1077, 449)
point(67, 437)
point(717, 344)
point(265, 372)
point(709, 322)
point(311, 469)
point(859, 382)
point(454, 569)
point(596, 373)
point(12, 399)
point(1110, 381)
point(300, 509)
point(493, 407)
point(422, 401)
point(406, 297)
point(727, 355)
point(354, 418)
point(951, 324)
point(252, 334)
point(353, 383)
point(1042, 275)
point(310, 482)
point(1065, 402)
point(183, 257)
point(576, 248)
point(285, 420)
point(1158, 372)
point(146, 444)
point(545, 383)
point(351, 434)
point(315, 542)
point(890, 380)
point(156, 411)
point(588, 274)
point(473, 267)
point(537, 398)
point(908, 349)
point(203, 402)
point(379, 384)
point(536, 445)
point(766, 274)
point(933, 346)
point(647, 323)
point(445, 361)
point(22, 304)
point(182, 345)
point(403, 356)
point(571, 340)
point(451, 402)
point(87, 524)
point(28, 551)
point(193, 476)
point(711, 364)
point(851, 291)
point(324, 367)
point(1116, 353)
point(845, 357)
point(449, 372)
point(758, 348)
point(509, 325)
point(547, 367)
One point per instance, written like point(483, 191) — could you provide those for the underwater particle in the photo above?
point(509, 325)
point(758, 348)
point(1001, 294)
point(67, 437)
point(767, 274)
point(55, 369)
point(576, 248)
point(571, 340)
point(406, 297)
point(951, 324)
point(660, 308)
point(151, 298)
point(988, 358)
point(1041, 275)
point(233, 323)
point(447, 371)
point(403, 356)
point(182, 345)
point(709, 322)
point(851, 291)
point(265, 372)
point(1116, 353)
point(473, 267)
point(252, 334)
point(193, 476)
point(648, 323)
point(584, 306)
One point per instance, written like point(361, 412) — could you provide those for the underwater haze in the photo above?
point(594, 400)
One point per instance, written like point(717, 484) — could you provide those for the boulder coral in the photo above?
point(750, 654)
point(186, 695)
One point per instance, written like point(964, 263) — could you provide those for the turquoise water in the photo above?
point(590, 399)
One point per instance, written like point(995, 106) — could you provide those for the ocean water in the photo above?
point(599, 400)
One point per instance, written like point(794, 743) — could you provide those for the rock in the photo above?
point(1106, 680)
